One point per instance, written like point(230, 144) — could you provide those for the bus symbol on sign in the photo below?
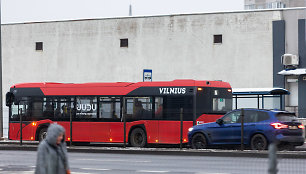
point(147, 75)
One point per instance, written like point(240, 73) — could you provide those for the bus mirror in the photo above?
point(219, 121)
point(9, 98)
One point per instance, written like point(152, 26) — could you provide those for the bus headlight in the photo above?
point(190, 129)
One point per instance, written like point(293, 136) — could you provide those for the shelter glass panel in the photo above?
point(271, 102)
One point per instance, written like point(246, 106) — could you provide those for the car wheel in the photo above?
point(259, 142)
point(198, 141)
point(138, 138)
point(42, 134)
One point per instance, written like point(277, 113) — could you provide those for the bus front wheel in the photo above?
point(138, 138)
point(42, 134)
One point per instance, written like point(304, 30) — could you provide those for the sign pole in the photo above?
point(70, 143)
point(124, 131)
point(20, 116)
point(181, 132)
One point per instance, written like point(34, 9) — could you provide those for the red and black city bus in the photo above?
point(98, 111)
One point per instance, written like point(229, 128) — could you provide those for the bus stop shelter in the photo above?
point(261, 98)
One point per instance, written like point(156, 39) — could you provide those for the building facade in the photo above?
point(242, 48)
point(272, 4)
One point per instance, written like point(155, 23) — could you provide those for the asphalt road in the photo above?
point(23, 162)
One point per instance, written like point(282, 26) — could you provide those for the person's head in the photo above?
point(60, 138)
point(55, 134)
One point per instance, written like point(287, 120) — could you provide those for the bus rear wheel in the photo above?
point(42, 134)
point(138, 138)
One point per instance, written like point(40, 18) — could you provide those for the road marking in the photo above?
point(95, 169)
point(152, 171)
point(102, 160)
point(107, 160)
point(211, 173)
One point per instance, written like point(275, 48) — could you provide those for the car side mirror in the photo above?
point(220, 121)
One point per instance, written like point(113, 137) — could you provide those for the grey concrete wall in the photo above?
point(175, 47)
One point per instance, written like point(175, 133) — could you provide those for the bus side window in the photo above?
point(48, 111)
point(138, 108)
point(86, 107)
point(37, 107)
point(109, 107)
point(24, 111)
point(173, 105)
point(159, 108)
point(128, 108)
point(62, 108)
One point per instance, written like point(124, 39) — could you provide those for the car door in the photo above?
point(250, 118)
point(226, 133)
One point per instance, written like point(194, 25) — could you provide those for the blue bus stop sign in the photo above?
point(147, 75)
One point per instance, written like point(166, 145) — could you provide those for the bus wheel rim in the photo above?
point(43, 135)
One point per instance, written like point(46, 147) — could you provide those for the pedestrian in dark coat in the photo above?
point(52, 155)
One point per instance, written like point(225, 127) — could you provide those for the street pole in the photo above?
point(181, 129)
point(70, 141)
point(272, 159)
point(20, 117)
point(242, 130)
point(1, 105)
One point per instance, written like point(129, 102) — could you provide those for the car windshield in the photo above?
point(286, 117)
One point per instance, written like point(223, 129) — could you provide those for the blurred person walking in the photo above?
point(52, 155)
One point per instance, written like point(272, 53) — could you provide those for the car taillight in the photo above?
point(279, 126)
point(301, 126)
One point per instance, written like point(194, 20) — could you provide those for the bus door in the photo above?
point(139, 113)
point(169, 124)
point(110, 116)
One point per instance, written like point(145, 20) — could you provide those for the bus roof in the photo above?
point(116, 88)
point(203, 83)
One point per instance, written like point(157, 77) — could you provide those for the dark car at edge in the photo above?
point(261, 127)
